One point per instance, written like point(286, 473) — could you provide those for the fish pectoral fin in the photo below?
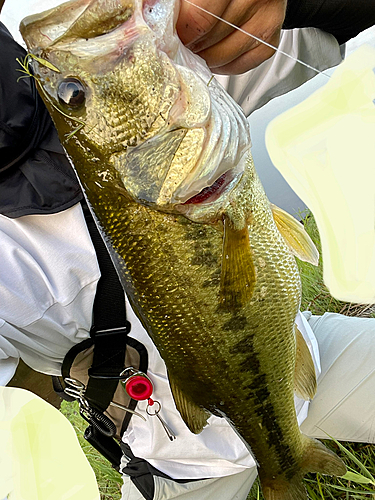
point(295, 236)
point(194, 416)
point(238, 275)
point(304, 374)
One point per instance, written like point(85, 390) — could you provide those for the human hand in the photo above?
point(225, 49)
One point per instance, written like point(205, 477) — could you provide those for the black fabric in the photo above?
point(109, 305)
point(142, 473)
point(109, 355)
point(343, 19)
point(44, 184)
point(72, 354)
point(35, 175)
point(105, 445)
point(109, 334)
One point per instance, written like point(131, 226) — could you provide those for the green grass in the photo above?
point(315, 295)
point(109, 480)
point(359, 483)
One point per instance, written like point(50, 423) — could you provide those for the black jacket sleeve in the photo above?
point(35, 174)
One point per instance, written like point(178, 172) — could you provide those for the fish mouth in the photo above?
point(211, 202)
point(97, 28)
point(212, 193)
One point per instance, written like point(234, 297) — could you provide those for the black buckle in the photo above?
point(109, 352)
point(122, 330)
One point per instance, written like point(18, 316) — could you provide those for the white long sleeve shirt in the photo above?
point(48, 277)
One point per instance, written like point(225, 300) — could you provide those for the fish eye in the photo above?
point(71, 92)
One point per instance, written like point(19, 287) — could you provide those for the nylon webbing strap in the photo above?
point(110, 327)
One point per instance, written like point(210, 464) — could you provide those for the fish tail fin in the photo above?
point(281, 489)
point(316, 458)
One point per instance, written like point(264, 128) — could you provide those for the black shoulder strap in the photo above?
point(110, 327)
point(109, 335)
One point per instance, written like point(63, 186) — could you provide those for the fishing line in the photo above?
point(257, 39)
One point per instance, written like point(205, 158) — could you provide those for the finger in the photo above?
point(249, 60)
point(193, 23)
point(238, 43)
point(236, 14)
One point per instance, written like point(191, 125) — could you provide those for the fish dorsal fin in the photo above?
point(304, 375)
point(238, 276)
point(295, 236)
point(194, 416)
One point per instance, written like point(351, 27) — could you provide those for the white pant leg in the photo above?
point(129, 491)
point(234, 487)
point(344, 405)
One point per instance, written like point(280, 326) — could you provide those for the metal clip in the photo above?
point(77, 391)
point(156, 413)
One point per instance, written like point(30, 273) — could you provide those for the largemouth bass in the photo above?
point(164, 156)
